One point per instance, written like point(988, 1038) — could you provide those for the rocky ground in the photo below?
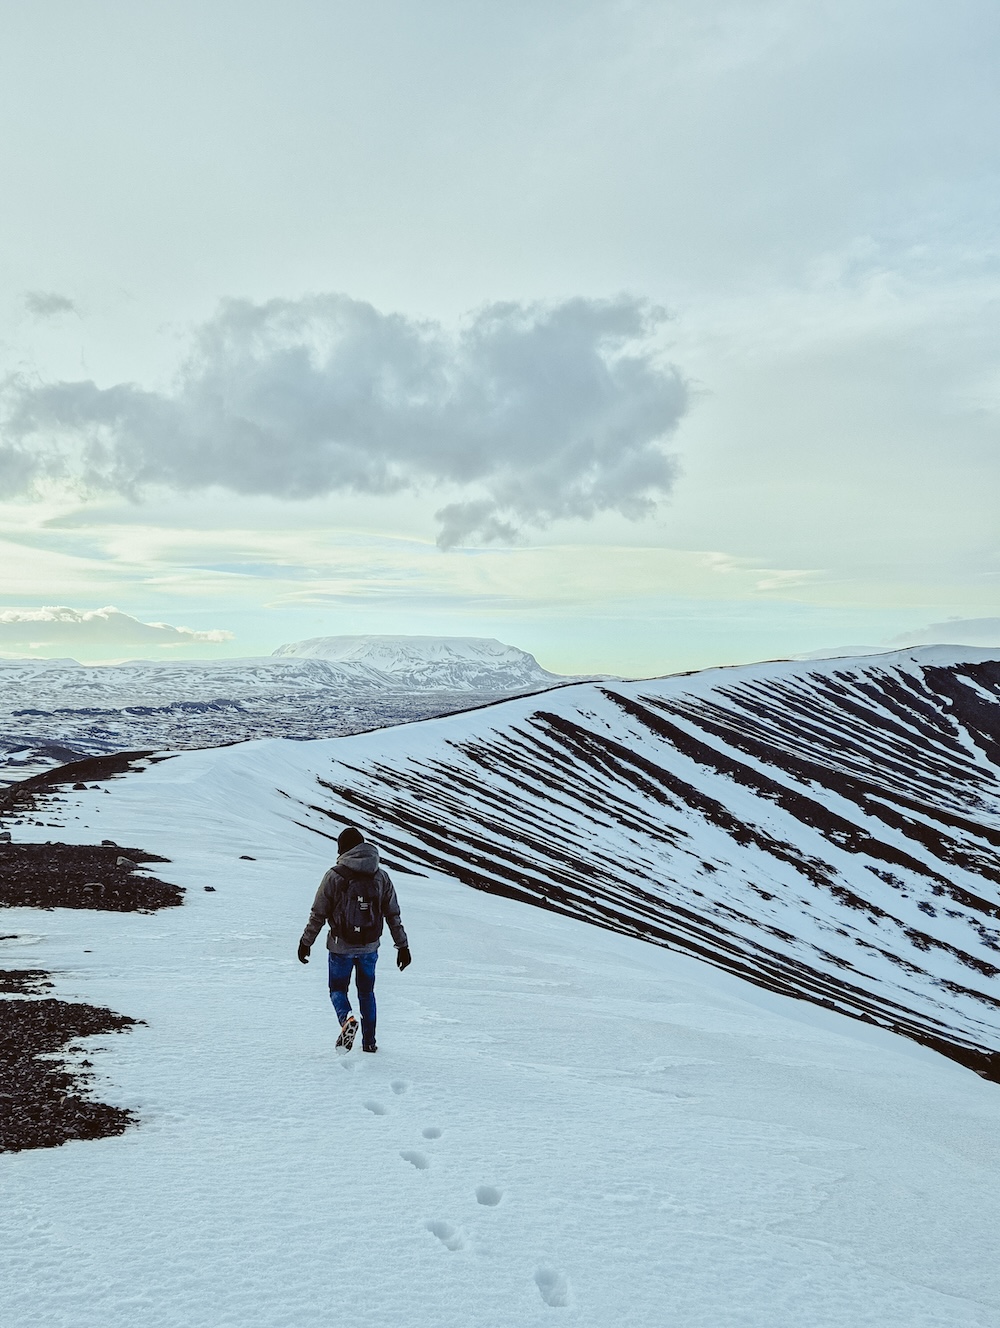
point(81, 876)
point(44, 1097)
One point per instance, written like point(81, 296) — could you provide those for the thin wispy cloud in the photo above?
point(953, 631)
point(530, 413)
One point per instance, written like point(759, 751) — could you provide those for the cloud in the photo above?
point(532, 413)
point(58, 626)
point(46, 304)
point(953, 632)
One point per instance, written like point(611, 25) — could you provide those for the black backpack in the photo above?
point(356, 912)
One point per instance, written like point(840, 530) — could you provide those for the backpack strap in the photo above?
point(335, 898)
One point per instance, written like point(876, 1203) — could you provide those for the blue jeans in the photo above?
point(363, 967)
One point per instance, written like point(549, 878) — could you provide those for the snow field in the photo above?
point(562, 1125)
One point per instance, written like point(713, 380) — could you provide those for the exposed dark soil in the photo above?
point(81, 876)
point(26, 794)
point(41, 1102)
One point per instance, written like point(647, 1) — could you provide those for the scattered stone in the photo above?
point(77, 788)
point(108, 843)
point(125, 862)
point(210, 889)
point(4, 836)
point(96, 886)
point(245, 857)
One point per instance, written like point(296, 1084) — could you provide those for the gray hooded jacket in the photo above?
point(362, 861)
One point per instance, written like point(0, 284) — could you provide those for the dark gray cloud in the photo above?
point(59, 626)
point(46, 304)
point(534, 412)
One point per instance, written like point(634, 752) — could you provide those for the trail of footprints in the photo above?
point(552, 1285)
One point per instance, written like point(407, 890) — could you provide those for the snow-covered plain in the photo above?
point(563, 1124)
point(55, 711)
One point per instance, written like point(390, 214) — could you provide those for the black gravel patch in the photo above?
point(24, 981)
point(42, 1102)
point(82, 876)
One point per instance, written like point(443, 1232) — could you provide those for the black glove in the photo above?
point(403, 957)
point(303, 952)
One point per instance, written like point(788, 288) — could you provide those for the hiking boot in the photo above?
point(371, 1048)
point(348, 1032)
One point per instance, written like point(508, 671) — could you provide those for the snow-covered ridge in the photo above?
point(829, 830)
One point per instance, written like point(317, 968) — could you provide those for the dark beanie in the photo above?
point(349, 838)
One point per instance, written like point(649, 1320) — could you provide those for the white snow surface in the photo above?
point(562, 1125)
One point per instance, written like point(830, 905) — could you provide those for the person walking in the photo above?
point(355, 897)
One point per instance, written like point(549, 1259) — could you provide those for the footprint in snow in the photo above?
point(376, 1108)
point(553, 1286)
point(419, 1160)
point(450, 1237)
point(399, 1086)
point(488, 1195)
point(432, 1132)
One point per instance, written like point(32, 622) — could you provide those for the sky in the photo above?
point(644, 336)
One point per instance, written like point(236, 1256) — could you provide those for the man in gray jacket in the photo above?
point(355, 897)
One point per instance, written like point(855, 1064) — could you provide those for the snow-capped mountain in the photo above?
point(417, 663)
point(54, 711)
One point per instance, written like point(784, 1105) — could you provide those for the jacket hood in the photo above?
point(359, 861)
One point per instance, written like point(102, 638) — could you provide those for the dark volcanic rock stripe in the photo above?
point(809, 811)
point(971, 847)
